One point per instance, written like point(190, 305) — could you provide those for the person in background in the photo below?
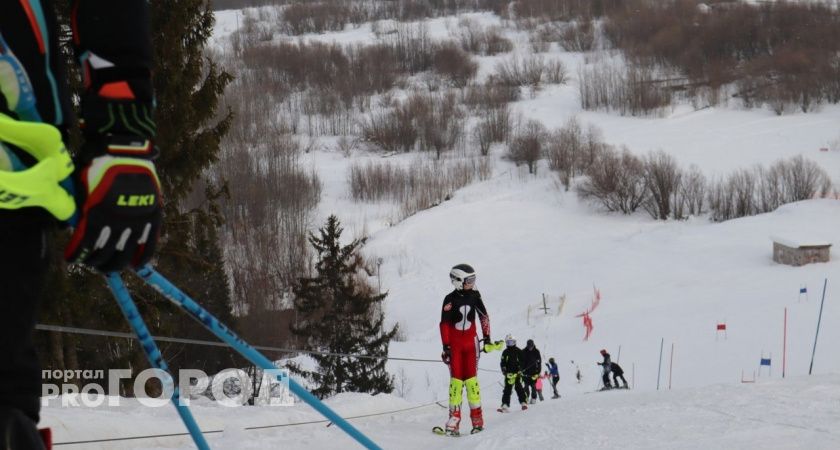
point(531, 368)
point(511, 365)
point(554, 373)
point(618, 372)
point(606, 366)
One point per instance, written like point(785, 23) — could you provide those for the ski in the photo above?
point(441, 432)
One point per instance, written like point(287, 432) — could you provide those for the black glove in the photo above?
point(119, 205)
point(446, 355)
point(117, 188)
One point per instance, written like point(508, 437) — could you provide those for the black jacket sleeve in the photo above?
point(118, 35)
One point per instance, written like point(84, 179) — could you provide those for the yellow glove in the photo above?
point(39, 184)
point(511, 378)
point(492, 346)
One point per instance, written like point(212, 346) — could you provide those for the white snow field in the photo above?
point(664, 285)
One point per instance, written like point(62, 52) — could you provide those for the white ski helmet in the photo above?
point(510, 340)
point(460, 274)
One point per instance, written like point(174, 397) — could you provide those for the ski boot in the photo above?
point(524, 406)
point(503, 409)
point(454, 422)
point(477, 419)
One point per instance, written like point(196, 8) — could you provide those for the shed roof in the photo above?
point(800, 241)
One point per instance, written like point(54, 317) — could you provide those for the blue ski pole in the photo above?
point(132, 315)
point(162, 285)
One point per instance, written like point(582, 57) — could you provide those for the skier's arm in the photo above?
point(445, 321)
point(112, 40)
point(483, 317)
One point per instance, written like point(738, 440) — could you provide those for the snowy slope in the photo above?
point(661, 283)
point(798, 413)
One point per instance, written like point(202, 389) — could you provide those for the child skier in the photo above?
point(511, 365)
point(554, 372)
point(538, 385)
point(461, 308)
point(606, 365)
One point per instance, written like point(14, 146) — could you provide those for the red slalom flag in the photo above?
point(721, 327)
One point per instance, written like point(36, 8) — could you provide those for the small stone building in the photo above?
point(797, 252)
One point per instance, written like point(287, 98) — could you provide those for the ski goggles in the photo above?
point(469, 280)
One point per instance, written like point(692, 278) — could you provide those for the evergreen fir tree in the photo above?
point(338, 312)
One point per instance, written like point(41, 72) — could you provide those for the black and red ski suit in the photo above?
point(462, 313)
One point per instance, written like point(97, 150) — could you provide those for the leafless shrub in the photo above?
point(561, 10)
point(434, 181)
point(482, 41)
point(454, 64)
point(300, 18)
point(742, 42)
point(494, 126)
point(346, 145)
point(435, 122)
point(422, 184)
point(616, 180)
point(692, 192)
point(391, 129)
point(756, 191)
point(377, 181)
point(578, 36)
point(528, 144)
point(439, 120)
point(529, 71)
point(663, 178)
point(571, 150)
point(490, 95)
point(413, 47)
point(564, 147)
point(629, 90)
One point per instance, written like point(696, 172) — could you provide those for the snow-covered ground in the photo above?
point(663, 285)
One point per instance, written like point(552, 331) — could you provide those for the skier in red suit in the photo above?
point(458, 333)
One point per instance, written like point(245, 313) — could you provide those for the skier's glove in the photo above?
point(119, 202)
point(117, 101)
point(534, 377)
point(446, 355)
point(511, 378)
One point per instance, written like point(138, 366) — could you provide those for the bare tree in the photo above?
point(527, 145)
point(663, 182)
point(616, 180)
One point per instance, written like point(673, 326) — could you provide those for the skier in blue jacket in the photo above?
point(555, 376)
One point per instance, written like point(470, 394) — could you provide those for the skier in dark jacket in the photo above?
point(554, 372)
point(117, 192)
point(606, 365)
point(511, 365)
point(618, 372)
point(531, 367)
